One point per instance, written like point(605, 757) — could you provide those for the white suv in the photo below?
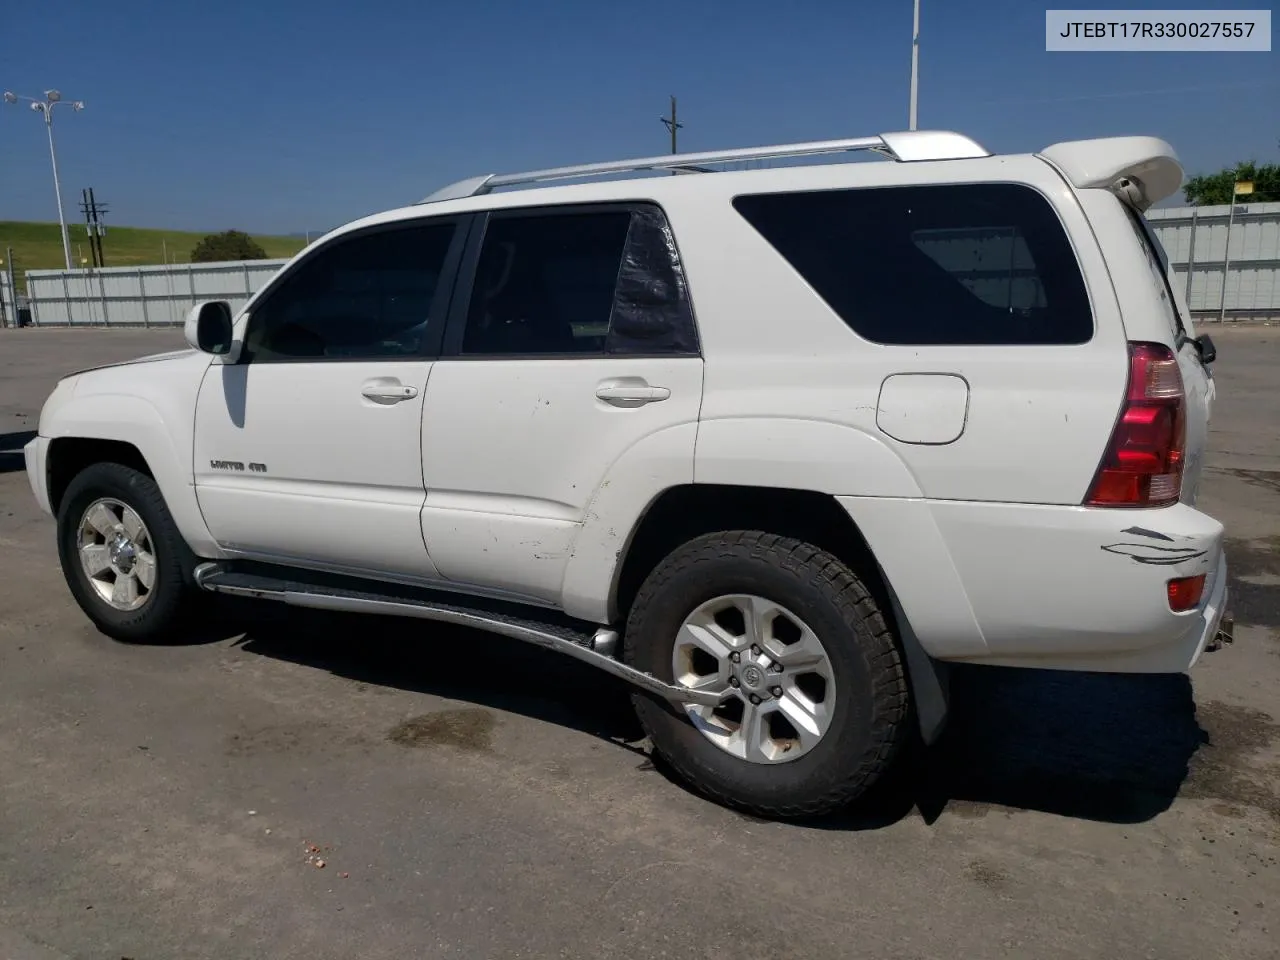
point(773, 445)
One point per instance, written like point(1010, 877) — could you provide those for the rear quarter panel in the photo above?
point(1150, 305)
point(1038, 419)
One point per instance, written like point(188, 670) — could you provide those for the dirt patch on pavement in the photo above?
point(467, 729)
point(1226, 769)
point(1254, 567)
point(290, 738)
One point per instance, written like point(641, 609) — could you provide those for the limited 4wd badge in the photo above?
point(237, 466)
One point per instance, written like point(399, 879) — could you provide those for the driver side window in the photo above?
point(366, 297)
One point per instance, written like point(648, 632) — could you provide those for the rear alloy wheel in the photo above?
point(773, 672)
point(813, 699)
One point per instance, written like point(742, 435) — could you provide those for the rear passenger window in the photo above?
point(965, 264)
point(591, 283)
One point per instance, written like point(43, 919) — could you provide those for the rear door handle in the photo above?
point(630, 392)
point(388, 390)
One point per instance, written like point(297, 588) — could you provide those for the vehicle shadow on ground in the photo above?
point(11, 444)
point(1106, 747)
point(1109, 747)
point(446, 661)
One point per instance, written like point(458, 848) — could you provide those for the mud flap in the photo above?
point(930, 679)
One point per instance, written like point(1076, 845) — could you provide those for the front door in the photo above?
point(575, 343)
point(307, 448)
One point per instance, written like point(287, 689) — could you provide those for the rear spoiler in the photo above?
point(1140, 170)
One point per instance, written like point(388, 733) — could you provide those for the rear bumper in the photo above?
point(1057, 587)
point(1218, 622)
point(36, 454)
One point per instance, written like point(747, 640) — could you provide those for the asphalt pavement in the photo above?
point(471, 797)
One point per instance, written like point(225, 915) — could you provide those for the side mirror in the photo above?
point(208, 326)
point(1204, 346)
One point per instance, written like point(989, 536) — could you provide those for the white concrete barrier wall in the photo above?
point(141, 296)
point(1196, 238)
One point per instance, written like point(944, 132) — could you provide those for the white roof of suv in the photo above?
point(1143, 169)
point(909, 146)
point(1148, 163)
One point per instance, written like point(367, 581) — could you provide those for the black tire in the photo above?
point(870, 719)
point(165, 611)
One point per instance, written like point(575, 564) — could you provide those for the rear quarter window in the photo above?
point(1157, 266)
point(963, 264)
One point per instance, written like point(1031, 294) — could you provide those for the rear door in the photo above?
point(570, 341)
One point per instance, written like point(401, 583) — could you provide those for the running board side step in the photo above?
point(574, 639)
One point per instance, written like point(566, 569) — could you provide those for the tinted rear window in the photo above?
point(964, 264)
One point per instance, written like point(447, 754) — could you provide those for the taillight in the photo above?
point(1185, 593)
point(1143, 463)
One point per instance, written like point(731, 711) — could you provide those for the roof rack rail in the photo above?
point(904, 147)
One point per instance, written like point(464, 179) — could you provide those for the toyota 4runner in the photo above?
point(772, 445)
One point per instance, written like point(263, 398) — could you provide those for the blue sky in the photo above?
point(289, 115)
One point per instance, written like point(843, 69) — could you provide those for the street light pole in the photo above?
point(45, 107)
point(57, 188)
point(915, 63)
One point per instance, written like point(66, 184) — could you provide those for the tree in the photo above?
point(1211, 188)
point(229, 245)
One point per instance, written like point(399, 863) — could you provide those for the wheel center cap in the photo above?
point(752, 677)
point(123, 554)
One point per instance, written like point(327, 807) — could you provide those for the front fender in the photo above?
point(137, 422)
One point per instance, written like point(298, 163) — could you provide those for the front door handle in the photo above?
point(630, 392)
point(387, 390)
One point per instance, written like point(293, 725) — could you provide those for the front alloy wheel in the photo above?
point(117, 554)
point(122, 555)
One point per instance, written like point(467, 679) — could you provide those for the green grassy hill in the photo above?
point(38, 246)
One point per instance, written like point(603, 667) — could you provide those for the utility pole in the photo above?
point(93, 214)
point(13, 286)
point(99, 228)
point(672, 124)
point(915, 64)
point(1237, 187)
